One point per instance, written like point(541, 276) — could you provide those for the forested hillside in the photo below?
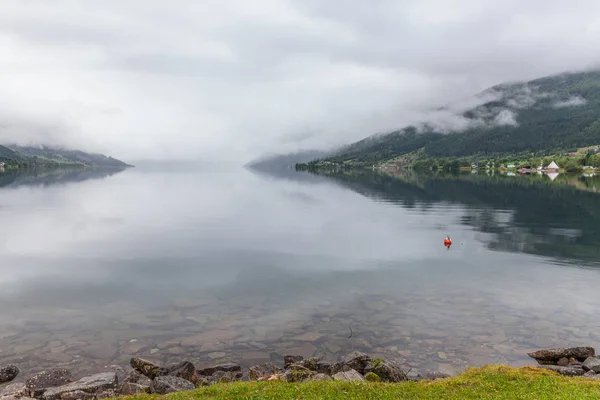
point(543, 116)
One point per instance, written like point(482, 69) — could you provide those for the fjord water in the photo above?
point(212, 265)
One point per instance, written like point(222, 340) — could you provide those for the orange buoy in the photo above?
point(447, 242)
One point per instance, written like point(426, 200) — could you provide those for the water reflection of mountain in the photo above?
point(48, 177)
point(521, 214)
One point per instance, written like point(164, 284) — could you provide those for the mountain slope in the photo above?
point(554, 113)
point(49, 155)
point(8, 154)
point(286, 160)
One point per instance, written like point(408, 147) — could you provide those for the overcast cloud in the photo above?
point(231, 80)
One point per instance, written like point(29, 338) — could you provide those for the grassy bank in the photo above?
point(492, 382)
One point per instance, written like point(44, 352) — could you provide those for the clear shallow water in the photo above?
point(235, 265)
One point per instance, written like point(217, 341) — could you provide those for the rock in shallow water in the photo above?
point(37, 384)
point(94, 384)
point(592, 364)
point(170, 384)
point(8, 373)
point(553, 356)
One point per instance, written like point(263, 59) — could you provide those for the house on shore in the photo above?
point(552, 167)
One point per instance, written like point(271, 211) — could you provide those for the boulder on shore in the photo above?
point(591, 364)
point(39, 383)
point(358, 361)
point(170, 384)
point(289, 360)
point(185, 370)
point(566, 371)
point(386, 371)
point(91, 385)
point(8, 373)
point(348, 376)
point(147, 368)
point(261, 371)
point(227, 367)
point(553, 356)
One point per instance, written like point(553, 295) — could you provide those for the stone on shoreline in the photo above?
point(228, 367)
point(553, 356)
point(93, 385)
point(185, 370)
point(348, 376)
point(14, 390)
point(261, 371)
point(385, 370)
point(591, 364)
point(130, 389)
point(147, 368)
point(170, 384)
point(358, 361)
point(39, 383)
point(298, 375)
point(320, 378)
point(289, 360)
point(8, 373)
point(566, 371)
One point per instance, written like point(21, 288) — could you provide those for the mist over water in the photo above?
point(210, 265)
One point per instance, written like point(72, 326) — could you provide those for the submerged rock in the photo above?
point(591, 364)
point(348, 376)
point(147, 368)
point(567, 371)
point(553, 356)
point(261, 371)
point(385, 370)
point(94, 384)
point(37, 384)
point(170, 384)
point(8, 373)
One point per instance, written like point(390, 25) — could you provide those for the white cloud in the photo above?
point(506, 117)
point(233, 79)
point(570, 102)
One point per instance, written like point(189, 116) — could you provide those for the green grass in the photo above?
point(491, 382)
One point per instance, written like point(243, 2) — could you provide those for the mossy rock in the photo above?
point(372, 377)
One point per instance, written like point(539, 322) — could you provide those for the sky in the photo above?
point(231, 80)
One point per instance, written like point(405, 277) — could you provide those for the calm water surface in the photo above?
point(235, 265)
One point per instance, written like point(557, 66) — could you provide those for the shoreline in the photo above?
point(146, 377)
